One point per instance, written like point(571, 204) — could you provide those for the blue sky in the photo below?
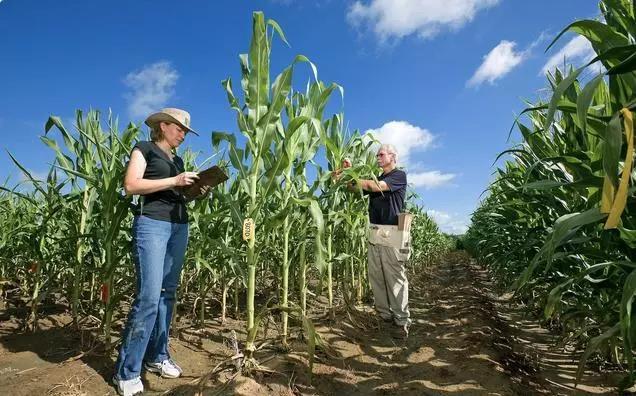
point(441, 79)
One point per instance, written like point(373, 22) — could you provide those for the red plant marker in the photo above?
point(105, 293)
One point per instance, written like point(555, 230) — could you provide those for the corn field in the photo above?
point(558, 224)
point(66, 240)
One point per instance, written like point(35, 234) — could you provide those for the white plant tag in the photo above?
point(249, 229)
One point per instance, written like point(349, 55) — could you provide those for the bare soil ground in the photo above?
point(466, 340)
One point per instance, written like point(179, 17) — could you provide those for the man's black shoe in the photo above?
point(400, 332)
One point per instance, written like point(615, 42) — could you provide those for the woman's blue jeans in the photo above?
point(158, 253)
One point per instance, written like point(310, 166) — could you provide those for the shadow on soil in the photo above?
point(465, 340)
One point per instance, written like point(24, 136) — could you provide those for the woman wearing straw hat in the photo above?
point(160, 237)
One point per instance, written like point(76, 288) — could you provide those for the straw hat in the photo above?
point(170, 114)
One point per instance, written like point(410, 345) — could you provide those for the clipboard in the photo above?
point(210, 177)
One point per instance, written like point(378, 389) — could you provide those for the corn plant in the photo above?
point(98, 158)
point(564, 200)
point(259, 121)
point(42, 236)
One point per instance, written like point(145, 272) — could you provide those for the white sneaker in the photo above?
point(129, 387)
point(167, 368)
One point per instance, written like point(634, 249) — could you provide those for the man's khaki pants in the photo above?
point(387, 275)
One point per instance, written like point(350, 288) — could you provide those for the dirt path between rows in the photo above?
point(465, 340)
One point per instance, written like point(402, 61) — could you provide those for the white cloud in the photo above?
point(449, 223)
point(151, 88)
point(426, 18)
point(404, 136)
point(407, 139)
point(498, 62)
point(576, 51)
point(430, 179)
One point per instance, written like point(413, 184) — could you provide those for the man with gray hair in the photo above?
point(388, 246)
